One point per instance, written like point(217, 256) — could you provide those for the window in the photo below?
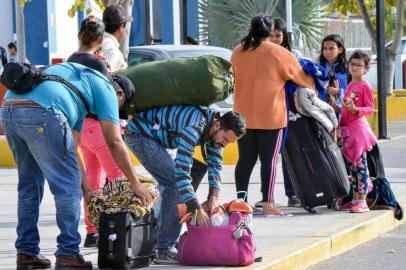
point(135, 58)
point(195, 53)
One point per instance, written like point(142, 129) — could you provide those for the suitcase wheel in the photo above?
point(311, 210)
point(333, 205)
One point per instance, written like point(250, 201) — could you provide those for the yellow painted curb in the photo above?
point(324, 244)
point(7, 160)
point(6, 157)
point(399, 92)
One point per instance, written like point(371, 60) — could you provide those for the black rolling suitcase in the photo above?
point(314, 163)
point(126, 242)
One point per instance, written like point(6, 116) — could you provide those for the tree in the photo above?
point(21, 48)
point(225, 22)
point(366, 8)
point(127, 5)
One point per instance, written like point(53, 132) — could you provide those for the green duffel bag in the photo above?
point(201, 81)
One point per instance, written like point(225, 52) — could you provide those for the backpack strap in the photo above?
point(205, 131)
point(202, 143)
point(59, 79)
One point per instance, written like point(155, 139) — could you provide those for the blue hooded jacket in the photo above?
point(321, 80)
point(342, 78)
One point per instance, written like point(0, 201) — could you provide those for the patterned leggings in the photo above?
point(359, 175)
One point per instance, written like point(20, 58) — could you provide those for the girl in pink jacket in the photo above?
point(356, 133)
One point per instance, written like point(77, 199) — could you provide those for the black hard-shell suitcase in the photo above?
point(314, 163)
point(126, 242)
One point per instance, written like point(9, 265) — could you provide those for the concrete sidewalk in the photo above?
point(284, 243)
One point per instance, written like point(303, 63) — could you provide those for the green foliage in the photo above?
point(224, 23)
point(345, 8)
point(390, 21)
point(81, 4)
point(306, 22)
point(23, 2)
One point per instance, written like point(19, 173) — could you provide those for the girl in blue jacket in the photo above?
point(333, 58)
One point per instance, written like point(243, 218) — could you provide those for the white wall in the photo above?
point(6, 23)
point(66, 30)
point(66, 34)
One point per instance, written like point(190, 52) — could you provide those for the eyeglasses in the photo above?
point(356, 65)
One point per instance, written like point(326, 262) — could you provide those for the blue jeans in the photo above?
point(44, 148)
point(160, 165)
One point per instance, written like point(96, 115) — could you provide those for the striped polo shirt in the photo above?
point(183, 127)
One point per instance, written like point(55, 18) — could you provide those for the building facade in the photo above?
point(51, 33)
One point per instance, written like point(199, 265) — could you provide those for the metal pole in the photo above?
point(380, 41)
point(147, 21)
point(176, 22)
point(20, 33)
point(151, 21)
point(289, 19)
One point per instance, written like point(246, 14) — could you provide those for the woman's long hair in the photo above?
point(341, 58)
point(261, 27)
point(279, 24)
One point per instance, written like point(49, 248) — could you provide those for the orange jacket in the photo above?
point(260, 77)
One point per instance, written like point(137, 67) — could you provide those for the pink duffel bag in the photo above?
point(227, 245)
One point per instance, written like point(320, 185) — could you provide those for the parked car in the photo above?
point(142, 54)
point(372, 77)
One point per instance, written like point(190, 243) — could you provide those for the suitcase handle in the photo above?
point(110, 254)
point(152, 256)
point(133, 224)
point(320, 135)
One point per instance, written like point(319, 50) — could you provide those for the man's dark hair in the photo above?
point(12, 45)
point(112, 28)
point(233, 121)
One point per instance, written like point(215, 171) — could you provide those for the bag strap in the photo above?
point(377, 194)
point(205, 130)
point(59, 79)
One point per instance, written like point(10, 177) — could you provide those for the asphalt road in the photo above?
point(387, 252)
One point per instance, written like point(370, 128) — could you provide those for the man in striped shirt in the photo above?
point(181, 127)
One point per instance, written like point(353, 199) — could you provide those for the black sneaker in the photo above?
point(91, 240)
point(167, 257)
point(294, 202)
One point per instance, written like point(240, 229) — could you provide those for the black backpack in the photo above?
point(21, 78)
point(382, 195)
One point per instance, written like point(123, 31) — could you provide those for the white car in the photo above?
point(400, 57)
point(142, 54)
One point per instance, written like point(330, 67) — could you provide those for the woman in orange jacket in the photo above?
point(261, 69)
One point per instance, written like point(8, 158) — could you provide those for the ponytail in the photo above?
point(260, 28)
point(91, 29)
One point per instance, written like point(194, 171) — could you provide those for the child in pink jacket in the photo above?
point(356, 133)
